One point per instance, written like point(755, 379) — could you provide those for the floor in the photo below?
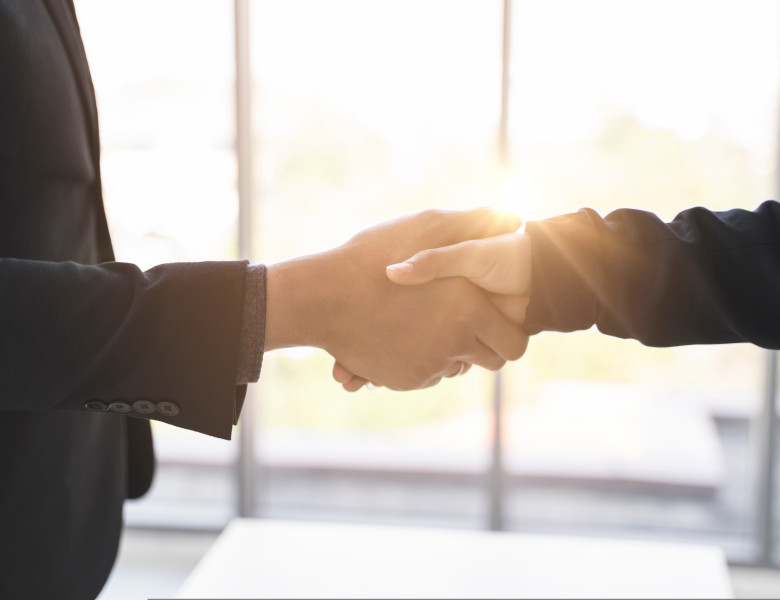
point(153, 564)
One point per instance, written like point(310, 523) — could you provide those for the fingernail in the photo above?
point(403, 267)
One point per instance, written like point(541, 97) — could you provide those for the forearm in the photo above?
point(703, 278)
point(84, 337)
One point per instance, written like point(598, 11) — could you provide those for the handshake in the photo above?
point(409, 301)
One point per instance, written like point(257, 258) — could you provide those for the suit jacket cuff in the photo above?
point(566, 274)
point(161, 344)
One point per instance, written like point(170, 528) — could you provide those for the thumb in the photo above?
point(480, 223)
point(470, 259)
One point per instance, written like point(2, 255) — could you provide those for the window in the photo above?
point(164, 72)
point(643, 105)
point(363, 111)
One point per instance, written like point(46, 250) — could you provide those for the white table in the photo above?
point(278, 559)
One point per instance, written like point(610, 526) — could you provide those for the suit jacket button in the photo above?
point(168, 408)
point(96, 406)
point(144, 407)
point(120, 407)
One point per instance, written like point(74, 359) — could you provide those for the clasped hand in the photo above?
point(409, 301)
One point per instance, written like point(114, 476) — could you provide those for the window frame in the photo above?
point(248, 469)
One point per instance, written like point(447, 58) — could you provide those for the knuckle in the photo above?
point(431, 214)
point(404, 384)
point(432, 382)
point(417, 375)
point(495, 364)
point(426, 256)
point(516, 353)
point(520, 346)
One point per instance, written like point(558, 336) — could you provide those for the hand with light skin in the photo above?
point(401, 337)
point(500, 265)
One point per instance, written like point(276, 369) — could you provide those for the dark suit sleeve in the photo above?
point(73, 334)
point(705, 278)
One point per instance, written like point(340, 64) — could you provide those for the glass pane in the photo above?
point(365, 111)
point(163, 73)
point(638, 104)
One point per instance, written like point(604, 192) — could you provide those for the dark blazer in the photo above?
point(705, 278)
point(88, 351)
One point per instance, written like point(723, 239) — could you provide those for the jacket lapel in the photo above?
point(63, 15)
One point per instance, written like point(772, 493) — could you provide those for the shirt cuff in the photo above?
point(252, 344)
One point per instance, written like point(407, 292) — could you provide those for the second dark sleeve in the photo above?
point(705, 278)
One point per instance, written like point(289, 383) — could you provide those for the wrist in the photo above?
point(301, 296)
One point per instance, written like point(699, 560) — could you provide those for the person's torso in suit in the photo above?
point(63, 475)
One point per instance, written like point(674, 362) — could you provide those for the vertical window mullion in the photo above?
point(767, 428)
point(497, 492)
point(245, 464)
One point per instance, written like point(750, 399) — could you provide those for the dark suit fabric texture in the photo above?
point(77, 328)
point(704, 278)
